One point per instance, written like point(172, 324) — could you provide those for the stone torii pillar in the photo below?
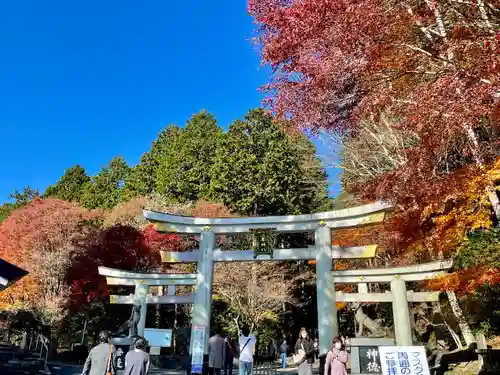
point(401, 312)
point(202, 312)
point(327, 309)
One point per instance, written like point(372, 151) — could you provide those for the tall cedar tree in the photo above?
point(260, 169)
point(105, 189)
point(184, 171)
point(70, 185)
point(143, 177)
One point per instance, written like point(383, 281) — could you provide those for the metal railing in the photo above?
point(42, 344)
point(266, 368)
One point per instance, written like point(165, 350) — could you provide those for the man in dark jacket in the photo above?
point(101, 359)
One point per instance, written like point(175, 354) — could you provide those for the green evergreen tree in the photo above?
point(184, 171)
point(105, 189)
point(142, 178)
point(70, 185)
point(259, 169)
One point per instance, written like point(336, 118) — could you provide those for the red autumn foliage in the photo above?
point(157, 241)
point(61, 245)
point(40, 238)
point(432, 65)
point(346, 60)
point(121, 247)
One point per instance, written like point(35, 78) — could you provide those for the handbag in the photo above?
point(108, 366)
point(299, 357)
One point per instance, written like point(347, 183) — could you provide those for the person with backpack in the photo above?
point(336, 358)
point(246, 344)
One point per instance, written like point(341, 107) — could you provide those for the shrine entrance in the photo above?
point(322, 252)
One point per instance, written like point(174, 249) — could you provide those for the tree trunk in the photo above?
point(459, 315)
point(492, 194)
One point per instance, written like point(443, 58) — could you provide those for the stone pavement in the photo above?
point(64, 369)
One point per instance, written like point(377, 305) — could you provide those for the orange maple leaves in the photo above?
point(467, 280)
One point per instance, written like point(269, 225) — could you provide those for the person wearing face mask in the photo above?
point(304, 353)
point(336, 359)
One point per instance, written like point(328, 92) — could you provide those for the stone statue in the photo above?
point(132, 323)
point(365, 322)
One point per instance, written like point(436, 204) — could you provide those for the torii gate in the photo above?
point(323, 252)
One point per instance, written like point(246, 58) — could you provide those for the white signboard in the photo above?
point(403, 360)
point(158, 337)
point(154, 350)
point(198, 349)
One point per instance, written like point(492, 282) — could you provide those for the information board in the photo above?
point(158, 337)
point(403, 360)
point(198, 349)
point(369, 360)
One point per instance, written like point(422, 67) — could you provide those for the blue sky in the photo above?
point(83, 81)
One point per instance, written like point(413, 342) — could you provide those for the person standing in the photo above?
point(304, 353)
point(228, 363)
point(101, 358)
point(246, 344)
point(316, 348)
point(336, 359)
point(216, 353)
point(137, 360)
point(271, 352)
point(283, 353)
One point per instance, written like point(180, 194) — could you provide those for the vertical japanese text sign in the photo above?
point(198, 349)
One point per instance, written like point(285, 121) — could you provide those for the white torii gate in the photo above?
point(323, 252)
point(397, 277)
point(142, 282)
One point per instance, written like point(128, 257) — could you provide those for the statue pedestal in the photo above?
point(122, 341)
point(364, 355)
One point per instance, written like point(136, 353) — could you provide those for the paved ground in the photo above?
point(59, 369)
point(63, 369)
